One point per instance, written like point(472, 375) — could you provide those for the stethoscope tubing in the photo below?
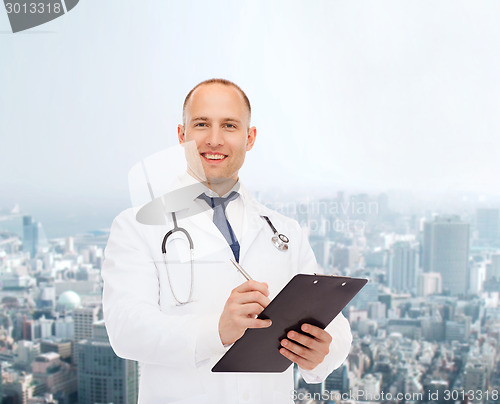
point(280, 241)
point(176, 228)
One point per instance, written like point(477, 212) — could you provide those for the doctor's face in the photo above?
point(217, 120)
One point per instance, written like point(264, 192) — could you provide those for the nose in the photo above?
point(215, 137)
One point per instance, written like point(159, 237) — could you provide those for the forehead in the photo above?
point(216, 101)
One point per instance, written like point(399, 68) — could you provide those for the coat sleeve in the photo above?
point(137, 328)
point(339, 328)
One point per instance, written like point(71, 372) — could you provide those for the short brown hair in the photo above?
point(217, 81)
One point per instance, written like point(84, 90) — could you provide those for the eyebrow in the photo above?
point(205, 119)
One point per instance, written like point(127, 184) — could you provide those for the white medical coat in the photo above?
point(177, 346)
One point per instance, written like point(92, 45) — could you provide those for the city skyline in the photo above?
point(67, 220)
point(412, 336)
point(344, 96)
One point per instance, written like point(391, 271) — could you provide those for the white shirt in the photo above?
point(234, 209)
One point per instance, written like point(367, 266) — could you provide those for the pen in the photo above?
point(240, 269)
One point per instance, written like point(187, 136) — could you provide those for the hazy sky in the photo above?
point(345, 94)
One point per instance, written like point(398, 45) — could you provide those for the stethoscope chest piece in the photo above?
point(279, 240)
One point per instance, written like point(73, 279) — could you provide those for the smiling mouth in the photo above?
point(214, 156)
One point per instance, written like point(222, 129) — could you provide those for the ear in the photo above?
point(181, 134)
point(252, 134)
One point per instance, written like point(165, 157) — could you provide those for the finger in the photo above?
point(303, 363)
point(311, 343)
point(251, 285)
point(251, 297)
point(301, 351)
point(255, 323)
point(316, 332)
point(250, 310)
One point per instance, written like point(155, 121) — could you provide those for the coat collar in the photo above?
point(181, 199)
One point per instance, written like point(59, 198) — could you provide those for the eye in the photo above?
point(200, 124)
point(230, 126)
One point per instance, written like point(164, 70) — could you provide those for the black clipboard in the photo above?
point(313, 299)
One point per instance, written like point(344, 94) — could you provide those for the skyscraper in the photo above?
point(403, 266)
point(488, 224)
point(446, 251)
point(475, 377)
point(338, 380)
point(33, 236)
point(493, 271)
point(84, 318)
point(30, 235)
point(103, 377)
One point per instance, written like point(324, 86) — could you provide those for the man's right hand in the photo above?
point(242, 307)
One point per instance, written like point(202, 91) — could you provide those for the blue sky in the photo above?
point(345, 95)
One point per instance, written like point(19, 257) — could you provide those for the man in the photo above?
point(177, 344)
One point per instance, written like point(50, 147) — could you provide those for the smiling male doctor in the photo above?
point(177, 345)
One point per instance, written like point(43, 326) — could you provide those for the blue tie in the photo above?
point(220, 220)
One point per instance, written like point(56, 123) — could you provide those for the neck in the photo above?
point(218, 185)
point(221, 187)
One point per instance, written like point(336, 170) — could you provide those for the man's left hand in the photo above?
point(314, 348)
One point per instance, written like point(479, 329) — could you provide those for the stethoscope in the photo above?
point(279, 240)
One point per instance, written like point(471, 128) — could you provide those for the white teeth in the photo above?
point(214, 156)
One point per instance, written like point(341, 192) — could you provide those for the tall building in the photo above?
point(59, 346)
point(34, 237)
point(488, 224)
point(369, 387)
point(54, 376)
point(345, 258)
point(493, 271)
point(65, 327)
point(429, 283)
point(46, 326)
point(477, 277)
point(475, 377)
point(446, 251)
point(18, 390)
point(338, 380)
point(30, 236)
point(103, 377)
point(458, 330)
point(403, 266)
point(320, 246)
point(27, 351)
point(83, 319)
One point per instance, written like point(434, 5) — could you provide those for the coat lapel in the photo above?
point(198, 218)
point(254, 223)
